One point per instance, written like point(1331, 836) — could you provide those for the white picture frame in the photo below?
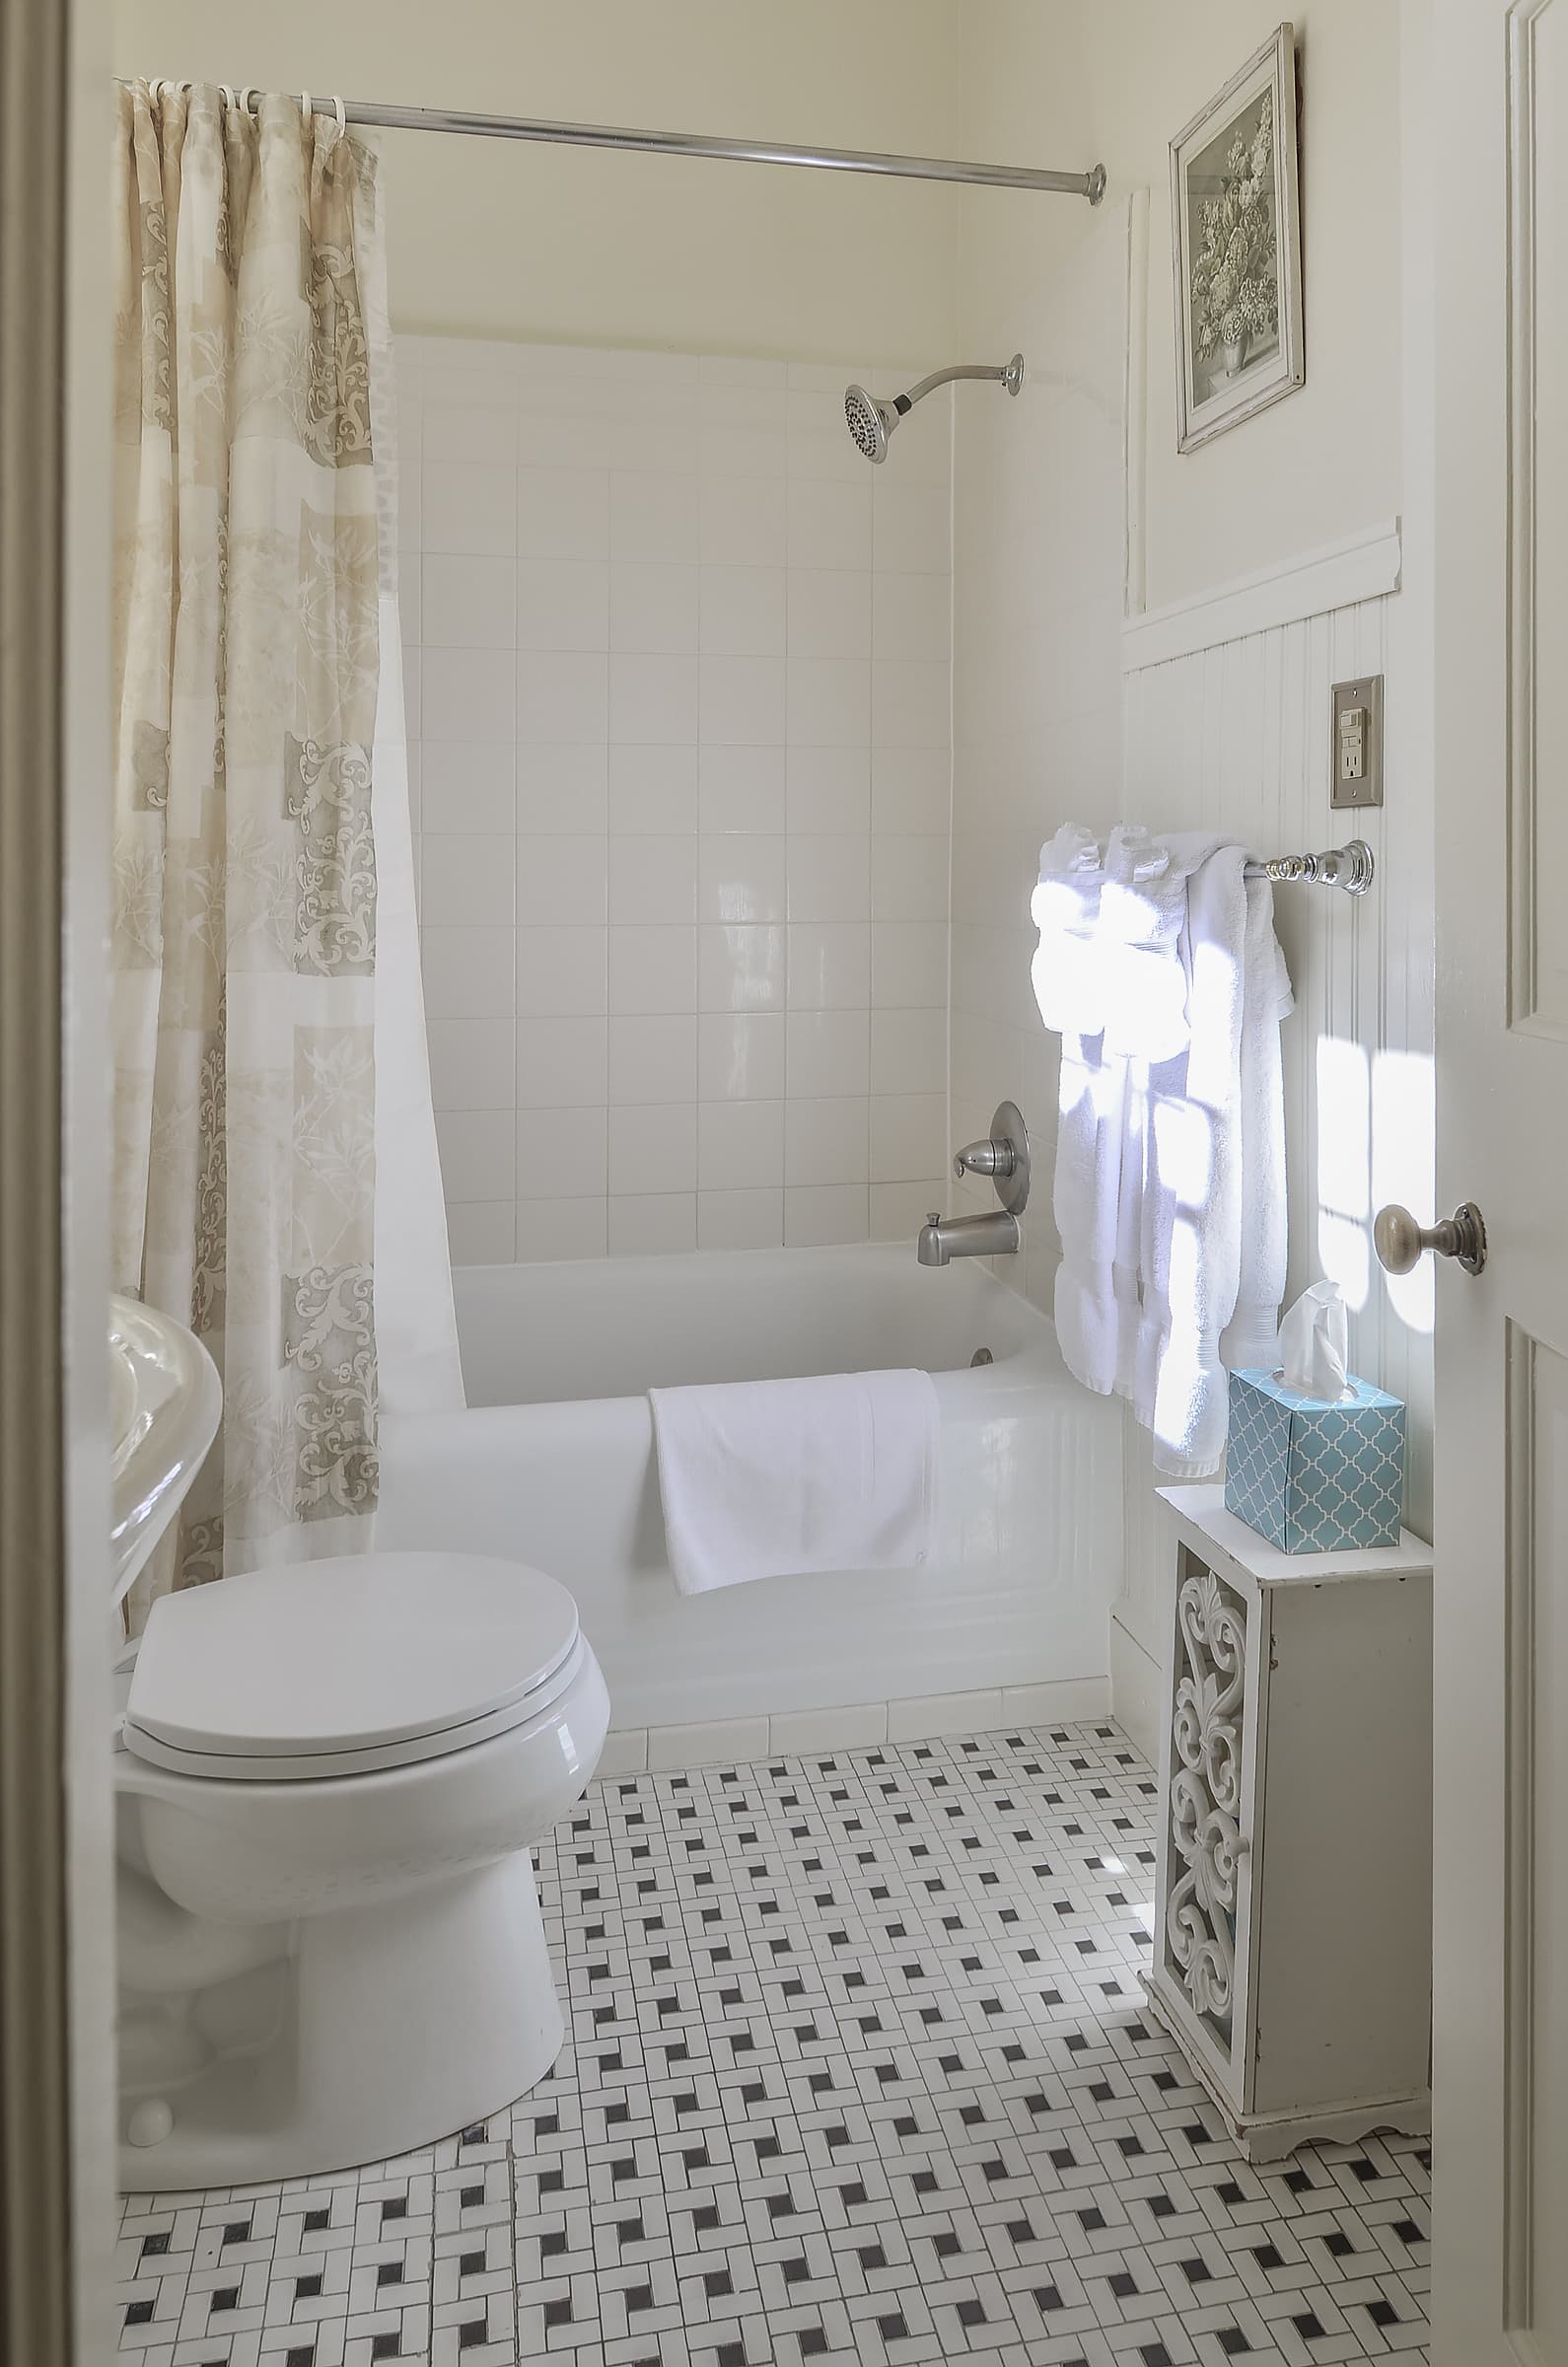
point(1235, 248)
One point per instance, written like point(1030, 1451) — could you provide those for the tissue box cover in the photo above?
point(1315, 1477)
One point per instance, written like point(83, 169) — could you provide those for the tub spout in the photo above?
point(993, 1235)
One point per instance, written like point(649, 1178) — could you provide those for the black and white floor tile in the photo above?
point(857, 2068)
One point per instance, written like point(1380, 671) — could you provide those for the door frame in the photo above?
point(56, 1903)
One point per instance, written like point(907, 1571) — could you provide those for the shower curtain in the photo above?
point(263, 878)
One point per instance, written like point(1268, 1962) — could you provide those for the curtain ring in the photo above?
point(246, 97)
point(342, 118)
point(226, 94)
point(305, 106)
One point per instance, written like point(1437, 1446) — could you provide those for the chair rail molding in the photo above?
point(1364, 566)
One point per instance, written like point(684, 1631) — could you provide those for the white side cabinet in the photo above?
point(1291, 1952)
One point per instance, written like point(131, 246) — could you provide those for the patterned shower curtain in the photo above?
point(245, 880)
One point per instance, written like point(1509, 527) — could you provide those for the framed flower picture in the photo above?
point(1235, 248)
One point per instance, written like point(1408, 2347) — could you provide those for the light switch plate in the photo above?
point(1355, 743)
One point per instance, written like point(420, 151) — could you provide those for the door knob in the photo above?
point(1399, 1240)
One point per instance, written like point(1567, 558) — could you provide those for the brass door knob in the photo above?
point(1400, 1241)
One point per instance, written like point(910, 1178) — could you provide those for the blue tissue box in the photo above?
point(1315, 1477)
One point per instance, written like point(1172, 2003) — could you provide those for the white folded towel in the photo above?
point(1065, 908)
point(769, 1478)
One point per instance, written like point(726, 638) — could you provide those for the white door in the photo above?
point(1500, 213)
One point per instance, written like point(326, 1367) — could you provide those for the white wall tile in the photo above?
point(653, 789)
point(827, 1053)
point(816, 1215)
point(740, 1055)
point(827, 1141)
point(653, 698)
point(560, 881)
point(730, 1742)
point(653, 607)
point(743, 612)
point(652, 968)
point(741, 789)
point(653, 1059)
point(563, 512)
point(466, 603)
point(467, 693)
point(899, 1210)
point(561, 695)
point(560, 972)
point(829, 613)
point(468, 507)
point(909, 876)
point(741, 1220)
point(909, 963)
point(741, 702)
point(828, 789)
point(855, 1728)
point(652, 1224)
point(473, 1064)
point(741, 966)
point(562, 603)
point(481, 1233)
point(562, 1154)
point(561, 789)
point(908, 1136)
point(466, 883)
point(548, 1230)
point(653, 515)
point(477, 1154)
point(560, 1062)
point(830, 966)
point(467, 972)
point(742, 522)
point(468, 787)
point(652, 878)
point(909, 1050)
point(927, 1715)
point(830, 525)
point(739, 1146)
point(829, 877)
point(829, 702)
point(651, 636)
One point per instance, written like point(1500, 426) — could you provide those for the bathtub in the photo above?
point(554, 1463)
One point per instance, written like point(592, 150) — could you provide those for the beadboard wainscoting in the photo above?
point(679, 691)
point(1234, 730)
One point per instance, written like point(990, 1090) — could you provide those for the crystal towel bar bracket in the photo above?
point(1351, 867)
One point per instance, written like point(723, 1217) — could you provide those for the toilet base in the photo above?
point(387, 2027)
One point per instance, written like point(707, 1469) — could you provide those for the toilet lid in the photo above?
point(353, 1662)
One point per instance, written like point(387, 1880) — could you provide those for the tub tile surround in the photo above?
point(679, 705)
point(857, 2068)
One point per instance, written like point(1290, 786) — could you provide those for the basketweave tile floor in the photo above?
point(857, 2068)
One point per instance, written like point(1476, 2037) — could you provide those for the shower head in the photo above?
point(870, 423)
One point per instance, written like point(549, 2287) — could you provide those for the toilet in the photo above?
point(328, 1778)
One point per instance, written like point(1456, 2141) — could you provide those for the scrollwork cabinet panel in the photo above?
point(1291, 1954)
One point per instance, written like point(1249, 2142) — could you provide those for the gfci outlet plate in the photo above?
point(1355, 753)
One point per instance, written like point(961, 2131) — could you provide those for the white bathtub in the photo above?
point(554, 1463)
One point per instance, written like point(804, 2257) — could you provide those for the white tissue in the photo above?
point(1313, 1344)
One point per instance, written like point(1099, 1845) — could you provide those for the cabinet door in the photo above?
point(1210, 1748)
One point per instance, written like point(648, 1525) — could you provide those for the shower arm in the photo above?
point(1008, 374)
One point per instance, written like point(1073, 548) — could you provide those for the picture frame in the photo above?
point(1235, 248)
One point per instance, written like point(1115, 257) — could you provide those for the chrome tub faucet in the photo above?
point(1004, 1157)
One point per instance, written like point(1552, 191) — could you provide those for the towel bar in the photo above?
point(1349, 867)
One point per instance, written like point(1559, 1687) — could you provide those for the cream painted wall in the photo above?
point(1116, 82)
point(495, 238)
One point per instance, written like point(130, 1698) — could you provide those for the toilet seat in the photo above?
point(352, 1665)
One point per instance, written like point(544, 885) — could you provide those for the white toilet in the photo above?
point(327, 1779)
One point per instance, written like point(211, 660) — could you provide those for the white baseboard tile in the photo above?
point(712, 1741)
point(625, 1753)
point(925, 1716)
point(859, 1726)
point(1056, 1704)
point(1135, 1691)
point(855, 1728)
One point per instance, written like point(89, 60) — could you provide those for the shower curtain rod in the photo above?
point(1091, 185)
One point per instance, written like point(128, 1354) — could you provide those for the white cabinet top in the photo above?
point(1200, 1512)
